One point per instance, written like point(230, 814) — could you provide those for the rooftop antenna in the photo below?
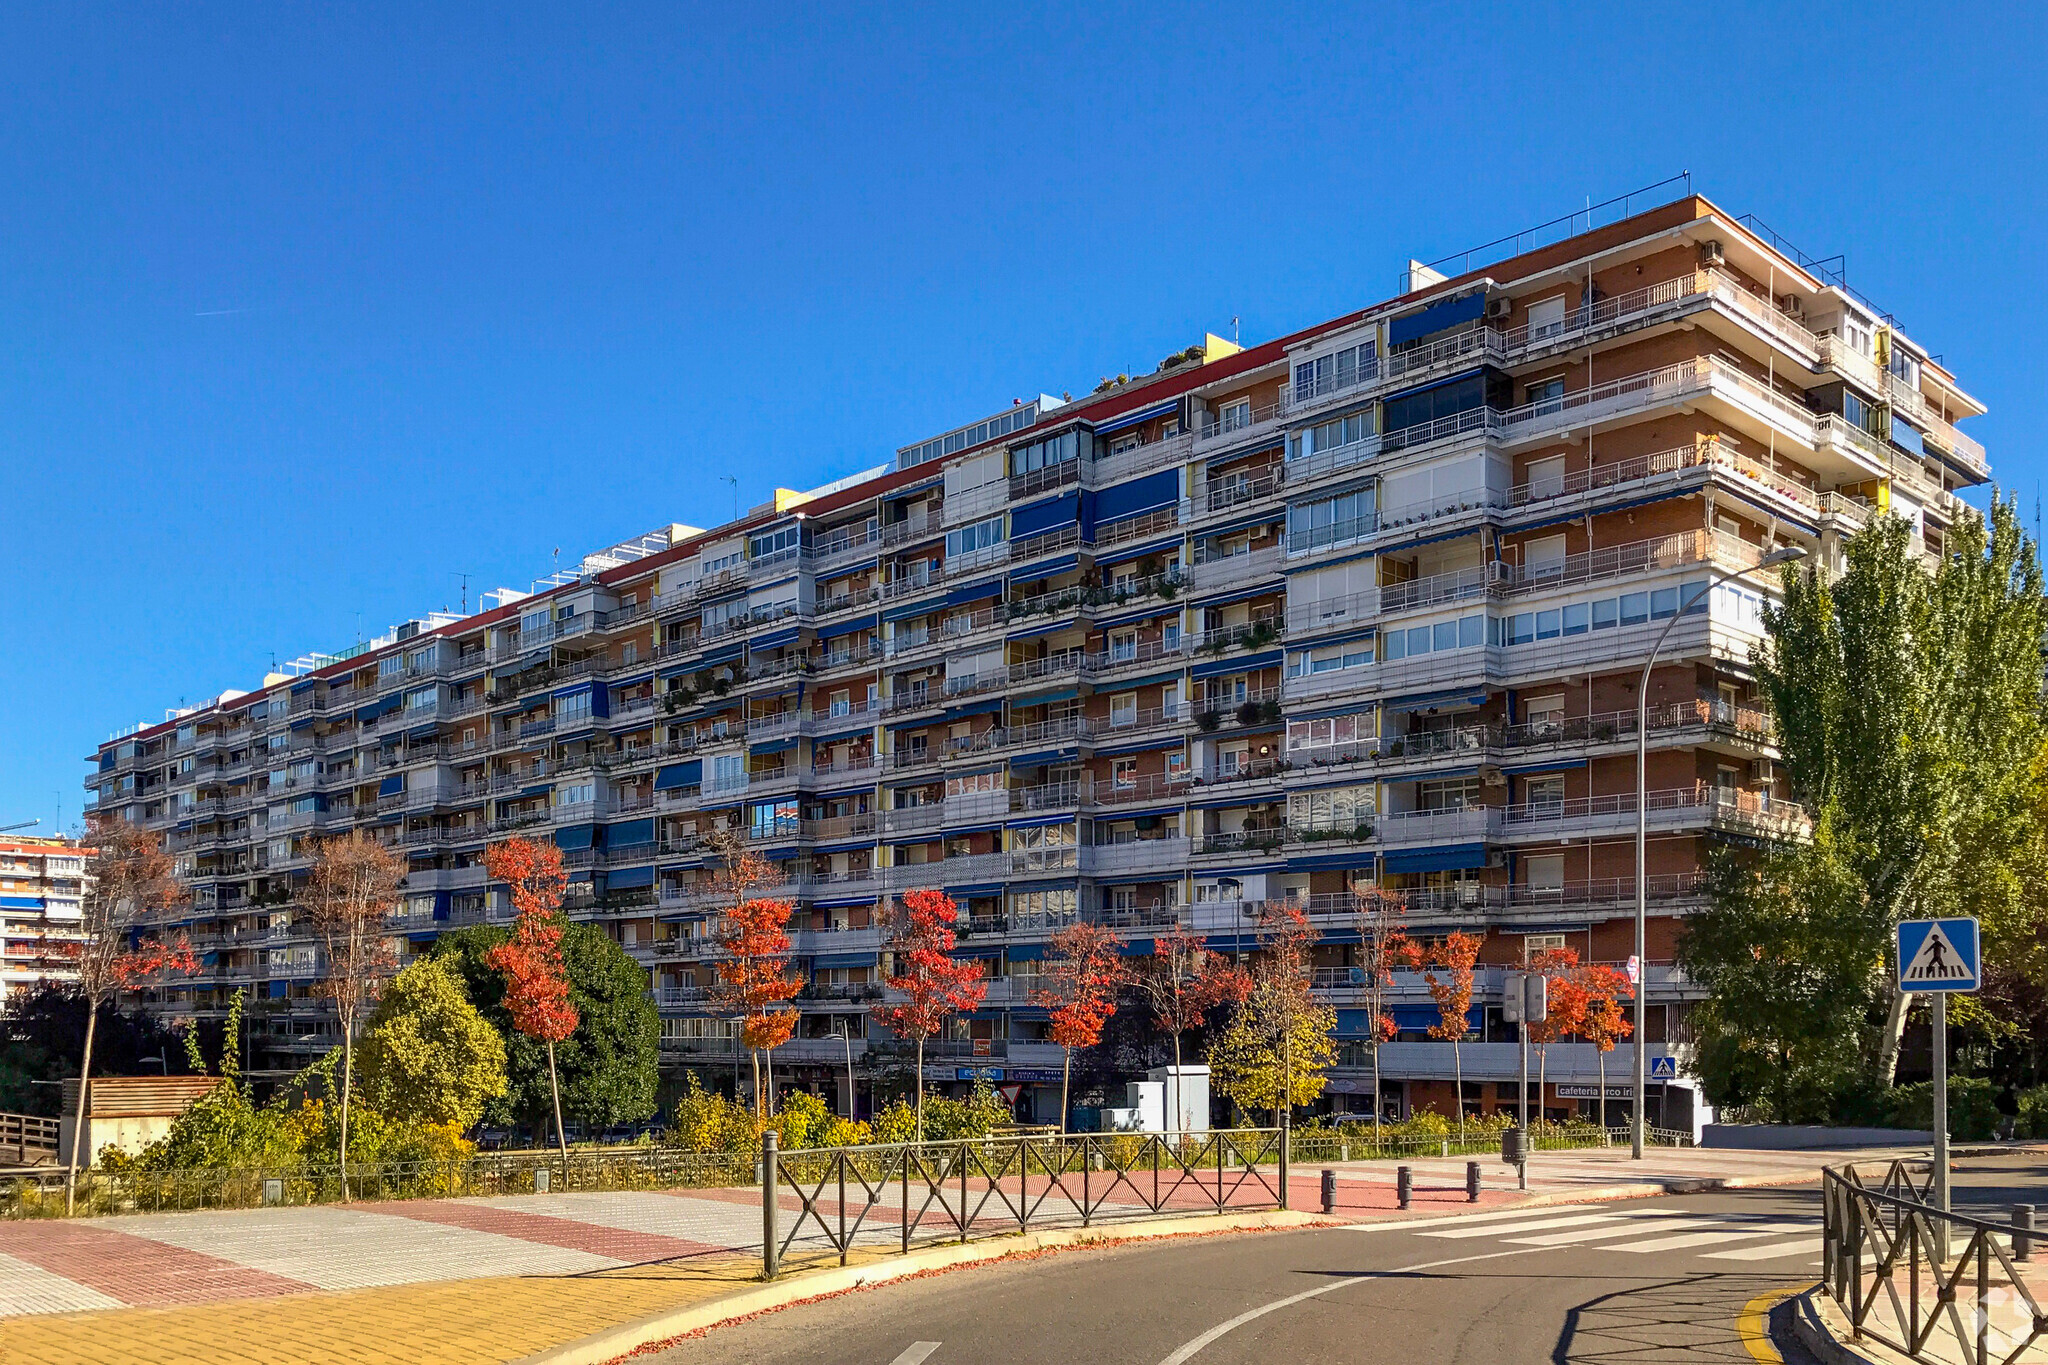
point(1235, 339)
point(465, 592)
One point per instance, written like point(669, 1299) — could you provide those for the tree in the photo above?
point(1279, 1044)
point(130, 880)
point(1182, 983)
point(1564, 1011)
point(606, 1069)
point(1907, 710)
point(536, 978)
point(1087, 968)
point(755, 980)
point(1382, 947)
point(1605, 1022)
point(932, 986)
point(429, 1056)
point(352, 892)
point(1446, 967)
point(42, 1035)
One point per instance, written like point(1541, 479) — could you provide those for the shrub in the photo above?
point(2033, 1122)
point(1972, 1107)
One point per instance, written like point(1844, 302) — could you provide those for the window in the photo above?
point(1464, 633)
point(719, 564)
point(1332, 521)
point(1053, 906)
point(720, 615)
point(1123, 773)
point(1328, 732)
point(1545, 395)
point(578, 794)
point(1169, 636)
point(1546, 874)
point(1546, 478)
point(1336, 371)
point(1176, 765)
point(1334, 434)
point(1546, 318)
point(1235, 415)
point(970, 539)
point(840, 703)
point(1453, 793)
point(1123, 646)
point(968, 784)
point(420, 699)
point(1543, 557)
point(774, 542)
point(1545, 714)
point(575, 706)
point(1123, 709)
point(1128, 441)
point(1053, 450)
point(1544, 793)
point(772, 819)
point(1335, 809)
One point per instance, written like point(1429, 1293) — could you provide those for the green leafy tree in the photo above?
point(607, 1066)
point(1907, 708)
point(428, 1054)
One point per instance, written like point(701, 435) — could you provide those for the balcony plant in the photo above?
point(1249, 713)
point(1209, 720)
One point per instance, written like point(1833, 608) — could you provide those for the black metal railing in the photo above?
point(928, 1192)
point(1937, 1285)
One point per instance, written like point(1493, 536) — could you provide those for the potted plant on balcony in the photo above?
point(1249, 713)
point(1208, 720)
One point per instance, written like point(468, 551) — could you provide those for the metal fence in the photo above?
point(922, 1192)
point(1937, 1285)
point(40, 1194)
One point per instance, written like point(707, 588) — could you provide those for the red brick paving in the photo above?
point(620, 1244)
point(134, 1269)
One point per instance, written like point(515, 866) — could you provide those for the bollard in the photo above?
point(1404, 1184)
point(1329, 1191)
point(2023, 1228)
point(771, 1249)
point(1285, 1130)
point(1471, 1182)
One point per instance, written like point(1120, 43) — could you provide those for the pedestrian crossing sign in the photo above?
point(1663, 1068)
point(1938, 955)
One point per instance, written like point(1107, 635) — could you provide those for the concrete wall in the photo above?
point(1772, 1137)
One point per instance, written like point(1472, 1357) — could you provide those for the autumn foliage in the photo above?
point(1446, 966)
point(536, 980)
point(930, 985)
point(1080, 990)
point(756, 980)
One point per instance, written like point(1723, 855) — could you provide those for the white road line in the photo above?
point(1696, 1239)
point(1768, 1253)
point(1563, 1221)
point(1189, 1350)
point(915, 1353)
point(1559, 1239)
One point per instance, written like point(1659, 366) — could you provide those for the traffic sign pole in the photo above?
point(1940, 957)
point(1941, 1115)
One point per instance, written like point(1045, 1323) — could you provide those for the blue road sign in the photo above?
point(1938, 955)
point(1663, 1068)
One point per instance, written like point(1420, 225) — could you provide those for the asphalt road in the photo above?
point(1659, 1280)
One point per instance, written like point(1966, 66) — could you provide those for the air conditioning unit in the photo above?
point(1492, 776)
point(1496, 857)
point(1500, 307)
point(1764, 770)
point(1791, 305)
point(1710, 254)
point(1499, 571)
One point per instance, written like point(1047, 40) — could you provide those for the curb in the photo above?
point(1818, 1326)
point(623, 1340)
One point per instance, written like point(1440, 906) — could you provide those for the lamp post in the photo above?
point(1637, 1124)
point(852, 1096)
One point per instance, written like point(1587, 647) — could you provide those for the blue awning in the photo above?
point(1028, 697)
point(824, 962)
point(422, 732)
point(1026, 952)
point(859, 623)
point(1437, 317)
point(391, 785)
point(975, 592)
point(1043, 756)
point(850, 729)
point(1037, 517)
point(978, 950)
point(775, 638)
point(1453, 697)
point(957, 711)
point(977, 889)
point(627, 877)
point(1035, 821)
point(1555, 765)
point(1361, 859)
point(280, 990)
point(1415, 1018)
point(914, 609)
point(1136, 947)
point(1455, 858)
point(1137, 415)
point(576, 836)
point(1136, 496)
point(628, 833)
point(773, 746)
point(1271, 658)
point(676, 775)
point(1050, 567)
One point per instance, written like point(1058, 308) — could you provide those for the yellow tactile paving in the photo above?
point(458, 1322)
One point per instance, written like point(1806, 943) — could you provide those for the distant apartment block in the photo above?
point(42, 899)
point(1362, 605)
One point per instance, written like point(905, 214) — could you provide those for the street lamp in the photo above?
point(1637, 1125)
point(845, 1033)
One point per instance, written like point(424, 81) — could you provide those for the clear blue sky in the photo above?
point(306, 310)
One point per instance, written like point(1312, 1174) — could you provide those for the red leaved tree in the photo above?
point(932, 985)
point(1086, 971)
point(536, 979)
point(1605, 1021)
point(1182, 983)
point(755, 979)
point(1382, 947)
point(130, 882)
point(1564, 1009)
point(1446, 966)
point(353, 890)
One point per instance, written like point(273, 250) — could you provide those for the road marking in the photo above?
point(1767, 1253)
point(1561, 1221)
point(1753, 1325)
point(1189, 1350)
point(1697, 1239)
point(915, 1353)
point(1602, 1234)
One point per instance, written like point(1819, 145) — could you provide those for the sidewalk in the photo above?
point(486, 1280)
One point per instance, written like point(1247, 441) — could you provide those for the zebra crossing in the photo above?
point(1733, 1237)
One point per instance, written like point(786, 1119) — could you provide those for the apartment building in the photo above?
point(1363, 605)
point(42, 905)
